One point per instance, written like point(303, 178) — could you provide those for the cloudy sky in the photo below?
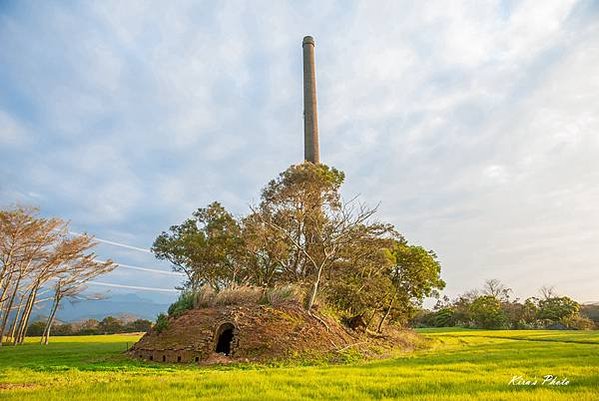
point(475, 124)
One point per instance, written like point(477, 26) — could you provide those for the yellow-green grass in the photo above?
point(459, 365)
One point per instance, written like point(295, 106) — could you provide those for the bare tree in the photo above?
point(71, 282)
point(25, 242)
point(547, 292)
point(497, 289)
point(49, 249)
point(34, 252)
point(15, 227)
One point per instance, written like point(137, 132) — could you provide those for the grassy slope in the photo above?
point(462, 365)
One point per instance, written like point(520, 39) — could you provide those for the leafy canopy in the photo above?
point(304, 233)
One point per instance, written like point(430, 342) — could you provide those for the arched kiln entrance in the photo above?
point(224, 338)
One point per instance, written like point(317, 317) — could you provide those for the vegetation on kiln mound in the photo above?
point(303, 234)
point(267, 332)
point(303, 243)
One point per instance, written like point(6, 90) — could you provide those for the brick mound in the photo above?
point(243, 333)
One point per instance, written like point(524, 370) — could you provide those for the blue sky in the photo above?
point(475, 124)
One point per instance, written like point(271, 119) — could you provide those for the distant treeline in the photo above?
point(108, 325)
point(492, 307)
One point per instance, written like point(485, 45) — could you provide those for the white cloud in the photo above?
point(474, 125)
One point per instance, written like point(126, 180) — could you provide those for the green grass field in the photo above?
point(460, 365)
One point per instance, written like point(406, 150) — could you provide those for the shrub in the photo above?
point(558, 309)
point(161, 323)
point(443, 318)
point(138, 325)
point(87, 332)
point(110, 325)
point(62, 330)
point(36, 329)
point(486, 313)
point(185, 302)
point(580, 323)
point(423, 318)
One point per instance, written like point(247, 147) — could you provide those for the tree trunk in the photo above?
point(25, 318)
point(7, 270)
point(3, 284)
point(46, 336)
point(13, 327)
point(25, 324)
point(3, 290)
point(315, 288)
point(378, 330)
point(8, 308)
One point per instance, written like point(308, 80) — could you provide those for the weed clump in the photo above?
point(206, 297)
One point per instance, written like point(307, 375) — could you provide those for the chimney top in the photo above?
point(308, 40)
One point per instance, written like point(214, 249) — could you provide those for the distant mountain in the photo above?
point(129, 306)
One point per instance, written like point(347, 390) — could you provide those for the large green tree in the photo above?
point(486, 312)
point(415, 275)
point(558, 309)
point(303, 232)
point(314, 226)
point(205, 247)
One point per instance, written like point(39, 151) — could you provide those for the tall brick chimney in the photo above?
point(311, 145)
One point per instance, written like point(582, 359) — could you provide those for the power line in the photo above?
point(147, 269)
point(105, 241)
point(133, 287)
